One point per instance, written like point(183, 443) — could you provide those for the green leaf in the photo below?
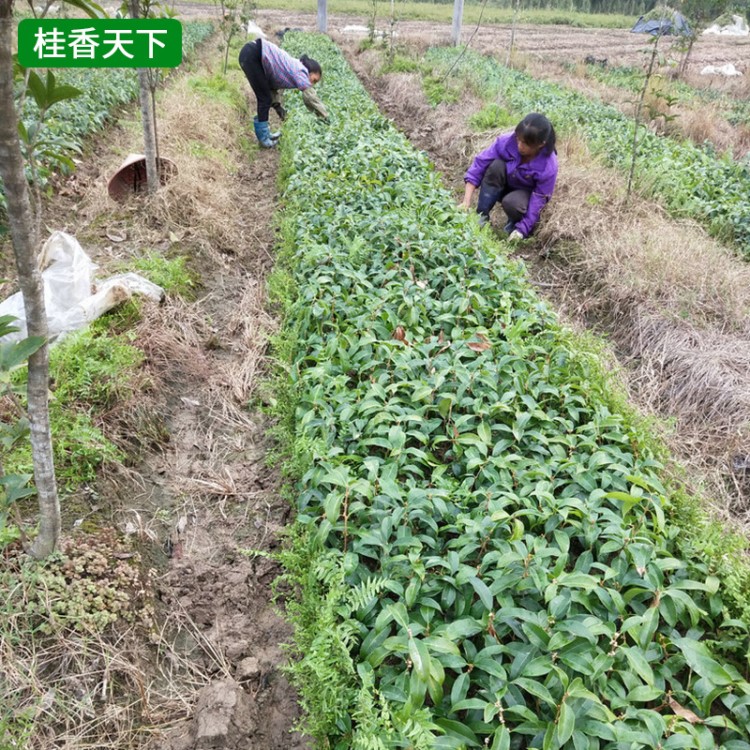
point(13, 356)
point(566, 723)
point(535, 688)
point(338, 477)
point(650, 624)
point(63, 92)
point(645, 694)
point(501, 739)
point(639, 664)
point(23, 134)
point(469, 704)
point(91, 9)
point(463, 628)
point(457, 729)
point(700, 660)
point(460, 688)
point(38, 90)
point(16, 487)
point(420, 658)
point(332, 505)
point(483, 592)
point(518, 529)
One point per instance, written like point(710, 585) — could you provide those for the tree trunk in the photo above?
point(458, 12)
point(323, 16)
point(637, 117)
point(686, 57)
point(149, 140)
point(25, 248)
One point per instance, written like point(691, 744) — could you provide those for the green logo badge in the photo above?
point(100, 43)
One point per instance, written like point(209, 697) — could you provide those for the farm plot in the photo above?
point(672, 302)
point(485, 551)
point(691, 181)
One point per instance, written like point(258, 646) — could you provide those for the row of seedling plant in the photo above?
point(631, 79)
point(56, 128)
point(484, 554)
point(691, 180)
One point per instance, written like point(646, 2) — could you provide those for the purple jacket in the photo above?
point(283, 70)
point(537, 176)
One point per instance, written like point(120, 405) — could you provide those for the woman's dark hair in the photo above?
point(536, 129)
point(313, 66)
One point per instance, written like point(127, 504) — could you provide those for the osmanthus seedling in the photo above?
point(484, 554)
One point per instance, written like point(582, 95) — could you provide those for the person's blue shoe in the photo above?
point(263, 133)
point(509, 227)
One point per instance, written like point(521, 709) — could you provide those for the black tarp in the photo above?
point(676, 24)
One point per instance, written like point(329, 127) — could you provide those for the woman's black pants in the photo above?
point(494, 189)
point(252, 66)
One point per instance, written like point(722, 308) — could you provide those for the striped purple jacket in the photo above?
point(283, 70)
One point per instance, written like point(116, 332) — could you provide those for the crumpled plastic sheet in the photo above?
point(72, 297)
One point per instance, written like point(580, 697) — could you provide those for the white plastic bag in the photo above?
point(67, 276)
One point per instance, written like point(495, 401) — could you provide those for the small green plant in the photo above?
point(171, 274)
point(439, 91)
point(401, 64)
point(491, 117)
point(14, 427)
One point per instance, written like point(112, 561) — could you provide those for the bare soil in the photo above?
point(543, 42)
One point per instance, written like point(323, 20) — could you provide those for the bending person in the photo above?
point(269, 69)
point(519, 171)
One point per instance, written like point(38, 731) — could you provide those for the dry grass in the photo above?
point(86, 692)
point(638, 252)
point(198, 205)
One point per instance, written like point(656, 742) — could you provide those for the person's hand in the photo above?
point(464, 206)
point(515, 236)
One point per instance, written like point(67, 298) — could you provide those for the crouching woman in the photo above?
point(269, 69)
point(519, 171)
